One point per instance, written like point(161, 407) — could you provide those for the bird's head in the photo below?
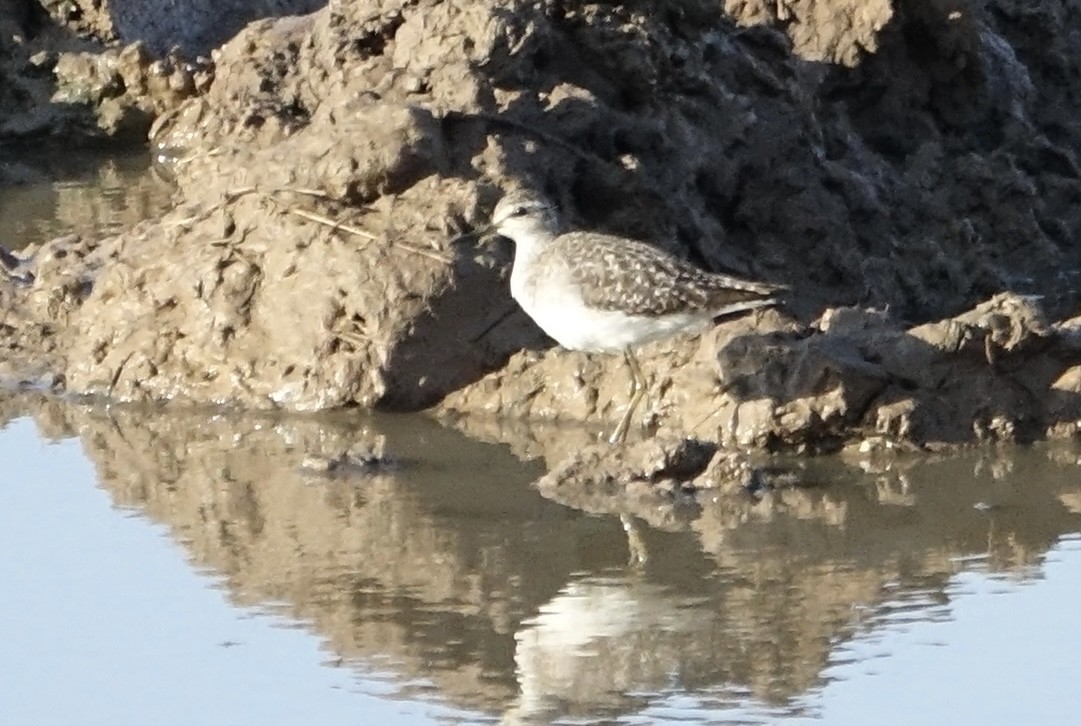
point(522, 215)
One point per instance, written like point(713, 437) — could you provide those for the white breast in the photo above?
point(556, 305)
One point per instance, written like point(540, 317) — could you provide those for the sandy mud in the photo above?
point(909, 169)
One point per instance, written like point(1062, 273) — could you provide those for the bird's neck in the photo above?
point(528, 244)
point(530, 239)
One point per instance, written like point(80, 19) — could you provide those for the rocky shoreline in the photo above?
point(910, 169)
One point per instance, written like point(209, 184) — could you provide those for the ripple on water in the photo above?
point(88, 193)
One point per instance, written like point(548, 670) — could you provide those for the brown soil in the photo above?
point(908, 168)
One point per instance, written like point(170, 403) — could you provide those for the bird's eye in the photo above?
point(519, 212)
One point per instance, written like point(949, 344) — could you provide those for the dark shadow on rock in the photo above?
point(465, 333)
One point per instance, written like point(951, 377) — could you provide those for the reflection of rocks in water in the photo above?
point(384, 565)
point(84, 194)
point(651, 477)
point(1068, 454)
point(359, 459)
point(551, 441)
point(452, 571)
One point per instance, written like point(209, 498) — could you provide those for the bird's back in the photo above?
point(617, 274)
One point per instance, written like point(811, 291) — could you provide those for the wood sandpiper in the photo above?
point(600, 293)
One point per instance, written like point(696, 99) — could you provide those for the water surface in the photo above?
point(187, 567)
point(49, 192)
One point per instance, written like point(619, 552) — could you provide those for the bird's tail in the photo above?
point(733, 296)
point(732, 310)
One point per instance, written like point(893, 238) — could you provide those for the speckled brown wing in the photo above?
point(635, 278)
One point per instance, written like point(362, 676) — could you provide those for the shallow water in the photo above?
point(188, 567)
point(51, 192)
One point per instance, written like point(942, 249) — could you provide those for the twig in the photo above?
point(305, 191)
point(312, 216)
point(216, 151)
point(320, 219)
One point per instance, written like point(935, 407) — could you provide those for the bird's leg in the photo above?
point(636, 544)
point(638, 389)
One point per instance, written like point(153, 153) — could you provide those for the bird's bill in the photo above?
point(486, 234)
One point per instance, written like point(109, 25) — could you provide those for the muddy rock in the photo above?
point(896, 164)
point(836, 32)
point(245, 321)
point(997, 372)
point(126, 89)
point(37, 295)
point(25, 83)
point(194, 27)
point(87, 18)
point(58, 84)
